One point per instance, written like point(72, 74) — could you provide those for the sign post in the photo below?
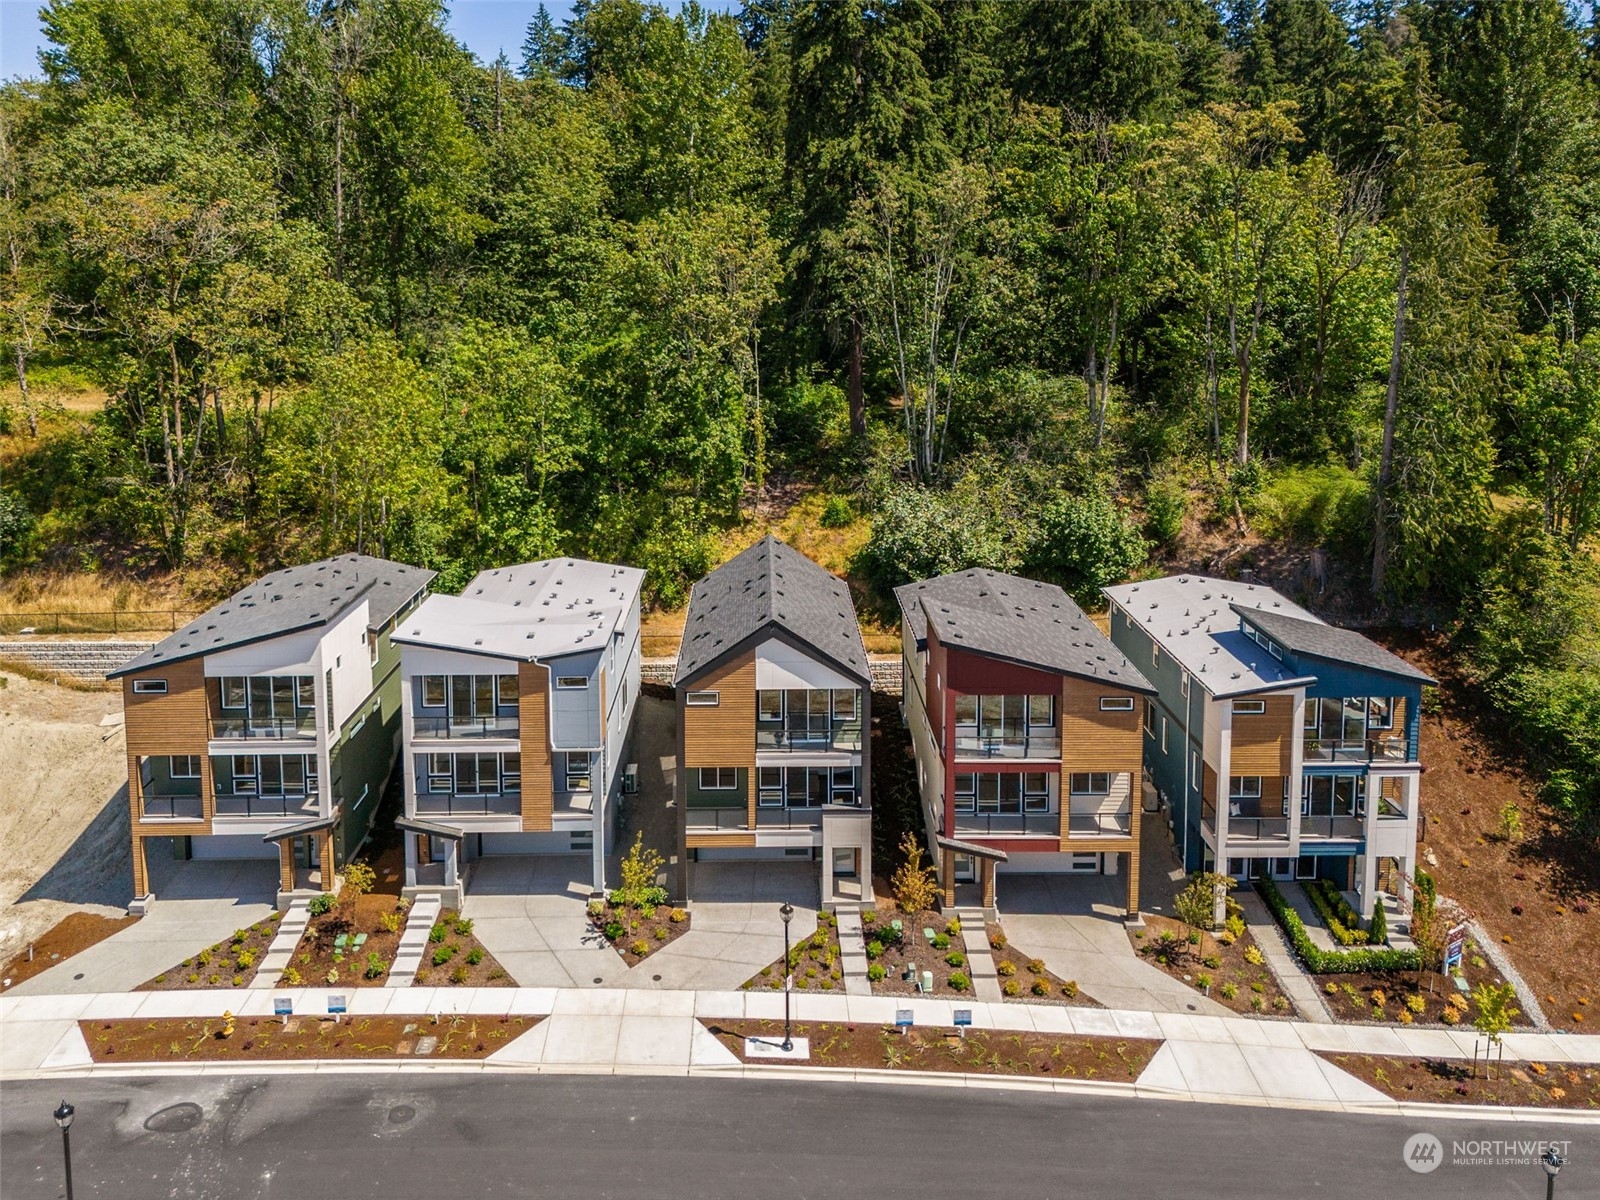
point(283, 1006)
point(904, 1019)
point(963, 1018)
point(1454, 945)
point(336, 1006)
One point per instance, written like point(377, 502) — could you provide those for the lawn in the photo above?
point(256, 1039)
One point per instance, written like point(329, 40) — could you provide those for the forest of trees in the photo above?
point(1032, 285)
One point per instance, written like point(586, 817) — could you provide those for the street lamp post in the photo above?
point(63, 1116)
point(1552, 1162)
point(787, 913)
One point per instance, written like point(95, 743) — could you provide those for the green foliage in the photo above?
point(1195, 906)
point(375, 966)
point(321, 904)
point(1331, 962)
point(1494, 1009)
point(914, 886)
point(1327, 506)
point(359, 879)
point(1084, 543)
point(836, 513)
point(1342, 921)
point(1166, 503)
point(640, 866)
point(1378, 932)
point(959, 981)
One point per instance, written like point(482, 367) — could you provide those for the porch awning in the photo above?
point(972, 848)
point(315, 825)
point(431, 828)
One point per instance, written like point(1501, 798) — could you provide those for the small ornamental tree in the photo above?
point(1495, 1012)
point(1378, 931)
point(1196, 905)
point(359, 879)
point(1426, 933)
point(913, 883)
point(639, 870)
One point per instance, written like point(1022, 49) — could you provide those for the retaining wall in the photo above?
point(83, 660)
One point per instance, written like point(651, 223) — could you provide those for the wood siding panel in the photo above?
point(174, 722)
point(1093, 740)
point(713, 841)
point(533, 714)
point(1262, 744)
point(724, 734)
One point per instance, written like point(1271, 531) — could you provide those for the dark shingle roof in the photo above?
point(771, 584)
point(1328, 642)
point(289, 600)
point(1021, 620)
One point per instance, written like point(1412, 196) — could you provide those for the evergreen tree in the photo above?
point(543, 46)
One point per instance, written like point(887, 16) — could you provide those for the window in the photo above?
point(477, 774)
point(1150, 719)
point(1183, 685)
point(440, 773)
point(1249, 708)
point(1380, 712)
point(718, 779)
point(769, 706)
point(184, 766)
point(1002, 794)
point(244, 774)
point(845, 704)
point(1244, 787)
point(1090, 783)
point(966, 710)
point(844, 785)
point(511, 773)
point(1272, 649)
point(149, 687)
point(305, 692)
point(1195, 775)
point(1036, 792)
point(578, 771)
point(1155, 653)
point(506, 689)
point(966, 793)
point(770, 782)
point(1163, 735)
point(703, 699)
point(233, 692)
point(575, 682)
point(433, 691)
point(1116, 703)
point(1041, 712)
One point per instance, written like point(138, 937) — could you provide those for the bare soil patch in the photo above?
point(1452, 1081)
point(229, 964)
point(1029, 979)
point(257, 1039)
point(980, 1052)
point(1404, 998)
point(815, 962)
point(1237, 973)
point(638, 932)
point(456, 958)
point(68, 936)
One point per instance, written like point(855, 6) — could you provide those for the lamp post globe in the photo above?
point(64, 1114)
point(63, 1118)
point(1552, 1162)
point(787, 913)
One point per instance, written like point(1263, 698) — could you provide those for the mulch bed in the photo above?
point(981, 1052)
point(317, 959)
point(1435, 1001)
point(913, 950)
point(1029, 979)
point(815, 960)
point(1236, 982)
point(637, 933)
point(178, 1039)
point(1452, 1081)
point(71, 935)
point(229, 964)
point(452, 939)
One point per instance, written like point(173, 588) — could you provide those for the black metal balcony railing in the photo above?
point(300, 726)
point(435, 804)
point(1337, 828)
point(1100, 824)
point(241, 805)
point(842, 737)
point(717, 818)
point(788, 818)
point(1388, 747)
point(466, 727)
point(171, 808)
point(1032, 745)
point(1047, 824)
point(1258, 829)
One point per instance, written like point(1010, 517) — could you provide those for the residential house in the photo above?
point(774, 721)
point(1280, 744)
point(267, 727)
point(519, 702)
point(1025, 722)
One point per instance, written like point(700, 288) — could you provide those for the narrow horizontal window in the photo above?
point(1249, 708)
point(1116, 703)
point(572, 682)
point(149, 687)
point(703, 699)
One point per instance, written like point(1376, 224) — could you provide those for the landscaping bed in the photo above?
point(1398, 996)
point(891, 955)
point(71, 935)
point(815, 961)
point(256, 1039)
point(636, 931)
point(1452, 1081)
point(981, 1052)
point(229, 964)
point(1230, 963)
point(1029, 979)
point(455, 957)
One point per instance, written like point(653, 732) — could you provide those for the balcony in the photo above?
point(788, 818)
point(169, 807)
point(445, 728)
point(1045, 744)
point(712, 819)
point(302, 726)
point(1034, 824)
point(1095, 823)
point(239, 804)
point(437, 804)
point(844, 738)
point(1391, 748)
point(1342, 828)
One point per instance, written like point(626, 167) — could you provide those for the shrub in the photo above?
point(1005, 968)
point(1084, 543)
point(240, 935)
point(1343, 922)
point(874, 949)
point(245, 960)
point(959, 981)
point(1378, 932)
point(1036, 966)
point(390, 922)
point(1234, 925)
point(203, 959)
point(441, 955)
point(1195, 906)
point(332, 976)
point(437, 933)
point(359, 879)
point(955, 959)
point(375, 966)
point(1331, 962)
point(836, 513)
point(639, 870)
point(1450, 1016)
point(290, 977)
point(954, 929)
point(1211, 960)
point(1202, 981)
point(458, 976)
point(876, 972)
point(677, 916)
point(639, 946)
point(1416, 1003)
point(1011, 987)
point(941, 941)
point(194, 977)
point(614, 931)
point(463, 927)
point(1253, 956)
point(661, 933)
point(1229, 990)
point(1040, 988)
point(998, 941)
point(869, 916)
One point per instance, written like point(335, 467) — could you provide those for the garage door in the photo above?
point(232, 846)
point(537, 843)
point(1048, 863)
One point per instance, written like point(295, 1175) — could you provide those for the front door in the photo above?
point(844, 863)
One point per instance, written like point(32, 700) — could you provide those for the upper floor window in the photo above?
point(184, 766)
point(1244, 787)
point(150, 687)
point(718, 779)
point(702, 699)
point(469, 696)
point(1150, 719)
point(1155, 653)
point(1249, 708)
point(1002, 793)
point(1380, 712)
point(1004, 717)
point(1089, 783)
point(813, 709)
point(578, 771)
point(572, 682)
point(268, 695)
point(1116, 703)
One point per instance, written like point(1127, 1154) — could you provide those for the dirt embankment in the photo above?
point(63, 807)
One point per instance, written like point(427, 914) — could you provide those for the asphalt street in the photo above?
point(389, 1136)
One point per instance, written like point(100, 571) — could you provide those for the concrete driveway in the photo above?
point(197, 905)
point(734, 927)
point(1074, 923)
point(530, 912)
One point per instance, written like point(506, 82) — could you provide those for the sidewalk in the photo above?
point(1210, 1059)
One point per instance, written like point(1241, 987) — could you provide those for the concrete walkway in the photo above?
point(980, 962)
point(852, 950)
point(420, 920)
point(1309, 916)
point(531, 913)
point(609, 1030)
point(1296, 984)
point(290, 930)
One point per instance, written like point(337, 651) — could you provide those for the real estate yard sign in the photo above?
point(1454, 944)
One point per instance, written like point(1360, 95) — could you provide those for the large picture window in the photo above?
point(985, 792)
point(805, 787)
